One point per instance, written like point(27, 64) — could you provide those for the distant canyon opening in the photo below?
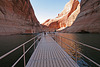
point(64, 19)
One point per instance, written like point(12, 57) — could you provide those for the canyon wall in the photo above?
point(88, 19)
point(65, 18)
point(17, 16)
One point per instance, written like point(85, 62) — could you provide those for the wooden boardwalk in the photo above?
point(49, 54)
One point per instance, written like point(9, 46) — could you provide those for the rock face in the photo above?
point(17, 16)
point(70, 12)
point(73, 16)
point(89, 18)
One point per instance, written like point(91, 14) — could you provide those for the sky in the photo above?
point(47, 9)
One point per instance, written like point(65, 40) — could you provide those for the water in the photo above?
point(90, 39)
point(8, 43)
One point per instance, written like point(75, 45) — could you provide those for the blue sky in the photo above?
point(47, 9)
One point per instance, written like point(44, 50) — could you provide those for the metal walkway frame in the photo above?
point(49, 54)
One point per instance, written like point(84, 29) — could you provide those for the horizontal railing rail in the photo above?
point(24, 52)
point(82, 43)
point(76, 52)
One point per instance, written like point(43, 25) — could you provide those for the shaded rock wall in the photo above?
point(17, 16)
point(70, 11)
point(88, 19)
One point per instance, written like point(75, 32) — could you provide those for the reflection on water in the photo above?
point(66, 44)
point(8, 43)
point(91, 39)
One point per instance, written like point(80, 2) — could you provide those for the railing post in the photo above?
point(34, 44)
point(76, 53)
point(24, 55)
point(61, 40)
point(56, 37)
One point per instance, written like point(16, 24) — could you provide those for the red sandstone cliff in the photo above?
point(70, 12)
point(89, 18)
point(17, 16)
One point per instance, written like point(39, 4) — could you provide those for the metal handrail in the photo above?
point(78, 51)
point(24, 52)
point(81, 54)
point(82, 43)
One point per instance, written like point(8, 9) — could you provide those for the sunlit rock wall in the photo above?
point(70, 12)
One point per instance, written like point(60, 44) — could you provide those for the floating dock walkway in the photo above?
point(49, 54)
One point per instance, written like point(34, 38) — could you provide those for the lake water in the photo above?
point(90, 39)
point(7, 43)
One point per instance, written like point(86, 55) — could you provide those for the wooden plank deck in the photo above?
point(49, 54)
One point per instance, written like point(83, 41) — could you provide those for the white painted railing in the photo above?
point(24, 52)
point(55, 36)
